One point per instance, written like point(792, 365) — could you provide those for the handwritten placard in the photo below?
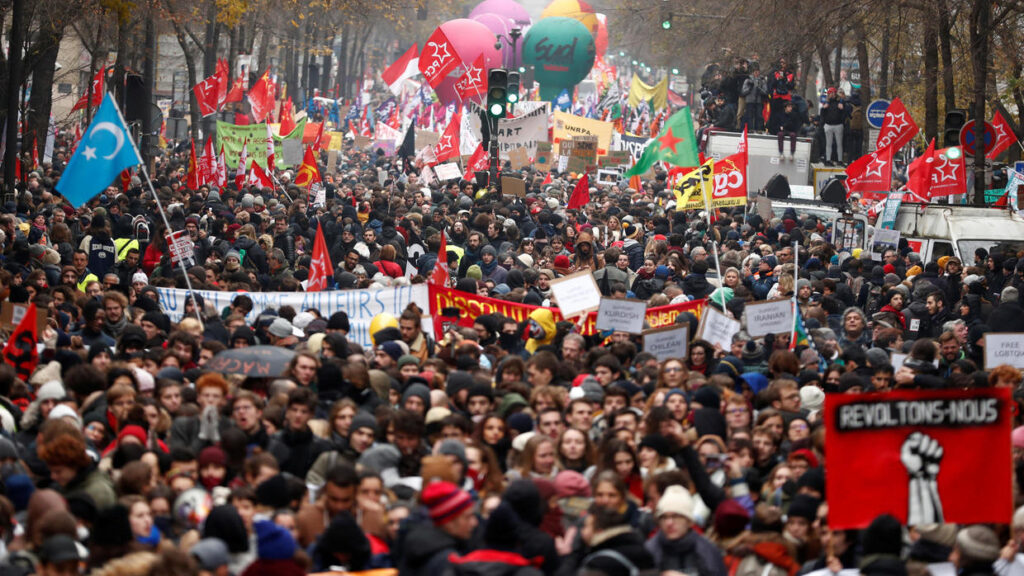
point(1004, 348)
point(621, 315)
point(769, 317)
point(717, 328)
point(576, 294)
point(448, 171)
point(665, 343)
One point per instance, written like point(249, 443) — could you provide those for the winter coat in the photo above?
point(95, 484)
point(425, 551)
point(303, 450)
point(755, 90)
point(489, 563)
point(691, 554)
point(607, 276)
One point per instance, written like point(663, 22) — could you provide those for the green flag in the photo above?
point(676, 145)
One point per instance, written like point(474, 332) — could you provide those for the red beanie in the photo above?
point(134, 430)
point(445, 501)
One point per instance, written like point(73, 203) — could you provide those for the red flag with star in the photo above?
point(472, 83)
point(1005, 137)
point(478, 162)
point(261, 97)
point(320, 268)
point(206, 96)
point(237, 91)
point(948, 174)
point(448, 145)
point(675, 145)
point(287, 121)
point(897, 127)
point(871, 174)
point(97, 92)
point(919, 174)
point(438, 58)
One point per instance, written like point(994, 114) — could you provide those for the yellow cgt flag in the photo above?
point(688, 189)
point(638, 91)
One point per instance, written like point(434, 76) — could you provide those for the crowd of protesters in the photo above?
point(483, 452)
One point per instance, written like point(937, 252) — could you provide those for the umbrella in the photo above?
point(254, 361)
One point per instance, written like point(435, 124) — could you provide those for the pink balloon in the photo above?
point(469, 38)
point(508, 8)
point(501, 25)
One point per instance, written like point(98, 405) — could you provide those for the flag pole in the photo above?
point(796, 280)
point(167, 226)
point(714, 243)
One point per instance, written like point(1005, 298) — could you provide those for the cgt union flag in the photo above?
point(917, 454)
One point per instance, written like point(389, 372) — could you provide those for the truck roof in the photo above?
point(958, 222)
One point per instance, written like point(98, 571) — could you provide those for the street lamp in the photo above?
point(513, 37)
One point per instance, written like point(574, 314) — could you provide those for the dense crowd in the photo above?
point(509, 448)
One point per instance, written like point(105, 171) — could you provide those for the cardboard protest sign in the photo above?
point(621, 315)
point(426, 138)
point(568, 126)
point(12, 314)
point(769, 317)
point(924, 456)
point(518, 158)
point(1004, 348)
point(585, 147)
point(717, 328)
point(669, 342)
point(542, 160)
point(883, 240)
point(608, 177)
point(576, 293)
point(513, 186)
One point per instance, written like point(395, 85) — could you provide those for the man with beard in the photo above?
point(472, 254)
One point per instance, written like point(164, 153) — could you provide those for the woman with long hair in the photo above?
point(672, 374)
point(619, 457)
point(701, 357)
point(483, 469)
point(539, 459)
point(575, 450)
point(491, 432)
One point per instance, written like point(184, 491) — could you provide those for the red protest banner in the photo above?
point(923, 456)
point(470, 306)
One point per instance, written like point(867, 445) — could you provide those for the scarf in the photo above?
point(487, 269)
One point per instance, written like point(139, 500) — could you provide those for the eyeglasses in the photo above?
point(736, 411)
point(672, 369)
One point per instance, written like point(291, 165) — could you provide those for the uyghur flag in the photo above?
point(676, 144)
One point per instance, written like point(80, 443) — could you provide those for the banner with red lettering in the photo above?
point(470, 306)
point(924, 456)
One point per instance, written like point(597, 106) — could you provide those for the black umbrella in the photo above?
point(253, 361)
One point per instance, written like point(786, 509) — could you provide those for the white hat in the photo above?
point(519, 442)
point(144, 378)
point(140, 277)
point(812, 398)
point(302, 319)
point(52, 390)
point(65, 411)
point(675, 500)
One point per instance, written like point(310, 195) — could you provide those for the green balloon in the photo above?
point(561, 51)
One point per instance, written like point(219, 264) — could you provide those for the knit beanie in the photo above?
point(445, 502)
point(273, 542)
point(363, 420)
point(569, 483)
point(676, 500)
point(392, 349)
point(730, 518)
point(978, 545)
point(458, 381)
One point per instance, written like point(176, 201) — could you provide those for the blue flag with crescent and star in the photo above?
point(105, 150)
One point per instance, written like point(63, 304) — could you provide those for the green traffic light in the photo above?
point(522, 69)
point(666, 24)
point(513, 97)
point(953, 153)
point(496, 109)
point(675, 70)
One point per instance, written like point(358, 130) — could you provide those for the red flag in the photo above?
point(439, 275)
point(730, 181)
point(222, 169)
point(261, 97)
point(192, 180)
point(35, 153)
point(271, 162)
point(1005, 137)
point(580, 194)
point(472, 83)
point(206, 96)
point(897, 127)
point(919, 174)
point(364, 124)
point(242, 161)
point(287, 122)
point(208, 170)
point(257, 177)
point(20, 350)
point(309, 173)
point(949, 174)
point(320, 268)
point(438, 58)
point(126, 179)
point(741, 148)
point(478, 162)
point(448, 146)
point(547, 180)
point(405, 67)
point(222, 82)
point(319, 143)
point(97, 92)
point(871, 174)
point(237, 91)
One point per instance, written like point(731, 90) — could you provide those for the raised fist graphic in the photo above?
point(921, 456)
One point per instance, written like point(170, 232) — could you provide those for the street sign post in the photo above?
point(875, 113)
point(967, 138)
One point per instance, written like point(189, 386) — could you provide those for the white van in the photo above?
point(937, 230)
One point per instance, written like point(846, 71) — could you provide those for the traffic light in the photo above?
point(666, 18)
point(497, 92)
point(955, 120)
point(513, 87)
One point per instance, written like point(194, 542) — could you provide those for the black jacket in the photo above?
point(425, 550)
